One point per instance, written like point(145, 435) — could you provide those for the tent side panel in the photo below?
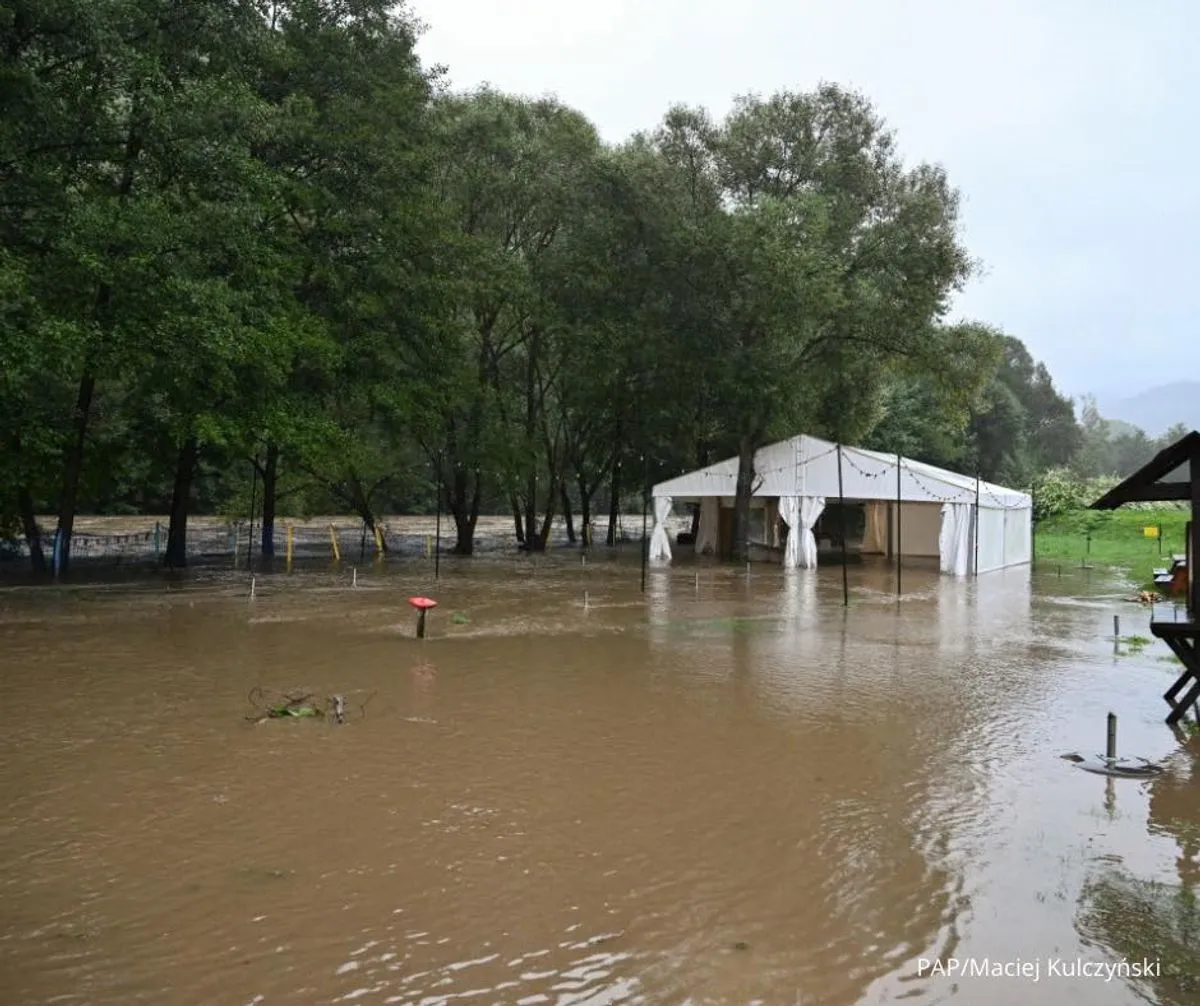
point(920, 527)
point(991, 529)
point(1018, 544)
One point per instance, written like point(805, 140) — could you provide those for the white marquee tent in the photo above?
point(940, 514)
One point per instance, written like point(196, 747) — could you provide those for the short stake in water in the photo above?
point(422, 604)
point(251, 588)
point(354, 578)
point(1110, 747)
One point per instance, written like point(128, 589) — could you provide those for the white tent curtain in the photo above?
point(660, 541)
point(875, 536)
point(954, 542)
point(810, 509)
point(708, 533)
point(789, 513)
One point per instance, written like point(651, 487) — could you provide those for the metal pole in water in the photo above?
point(251, 588)
point(1110, 749)
point(421, 624)
point(1116, 626)
point(842, 529)
point(899, 540)
point(585, 600)
point(354, 579)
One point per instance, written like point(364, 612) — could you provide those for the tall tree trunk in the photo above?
point(362, 506)
point(566, 507)
point(701, 462)
point(531, 475)
point(270, 481)
point(181, 498)
point(518, 519)
point(745, 489)
point(33, 533)
point(614, 502)
point(465, 511)
point(73, 469)
point(585, 511)
point(548, 520)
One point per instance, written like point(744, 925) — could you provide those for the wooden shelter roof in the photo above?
point(1167, 477)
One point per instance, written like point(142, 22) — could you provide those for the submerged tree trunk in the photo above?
point(33, 533)
point(73, 470)
point(585, 512)
point(566, 507)
point(464, 511)
point(548, 520)
point(270, 480)
point(614, 503)
point(741, 507)
point(181, 498)
point(518, 520)
point(362, 506)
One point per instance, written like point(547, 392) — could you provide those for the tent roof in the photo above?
point(1168, 476)
point(808, 466)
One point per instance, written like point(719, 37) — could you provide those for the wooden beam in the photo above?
point(1156, 492)
point(1194, 580)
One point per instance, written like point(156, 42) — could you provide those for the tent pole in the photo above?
point(645, 503)
point(842, 522)
point(1032, 531)
point(899, 543)
point(975, 570)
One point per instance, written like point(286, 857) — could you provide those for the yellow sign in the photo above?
point(1150, 532)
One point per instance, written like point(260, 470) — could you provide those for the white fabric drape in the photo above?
point(810, 509)
point(708, 533)
point(789, 513)
point(954, 542)
point(660, 541)
point(875, 536)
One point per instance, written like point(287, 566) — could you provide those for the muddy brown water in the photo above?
point(728, 789)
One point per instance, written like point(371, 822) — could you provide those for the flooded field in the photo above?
point(727, 789)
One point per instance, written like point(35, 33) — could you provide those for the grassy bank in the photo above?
point(1117, 540)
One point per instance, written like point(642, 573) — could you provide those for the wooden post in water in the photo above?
point(1110, 747)
point(333, 543)
point(291, 545)
point(842, 522)
point(899, 539)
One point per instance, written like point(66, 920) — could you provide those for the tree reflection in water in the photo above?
point(1136, 918)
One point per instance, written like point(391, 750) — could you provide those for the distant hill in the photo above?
point(1158, 409)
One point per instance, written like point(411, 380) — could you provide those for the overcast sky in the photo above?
point(1069, 126)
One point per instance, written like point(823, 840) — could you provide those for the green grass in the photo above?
point(1117, 540)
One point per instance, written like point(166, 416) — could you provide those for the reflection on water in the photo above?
point(729, 789)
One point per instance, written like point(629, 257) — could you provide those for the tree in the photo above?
point(828, 256)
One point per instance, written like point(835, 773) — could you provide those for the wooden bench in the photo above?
point(1181, 638)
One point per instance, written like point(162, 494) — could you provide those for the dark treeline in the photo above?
point(246, 241)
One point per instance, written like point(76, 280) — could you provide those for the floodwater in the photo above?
point(727, 789)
